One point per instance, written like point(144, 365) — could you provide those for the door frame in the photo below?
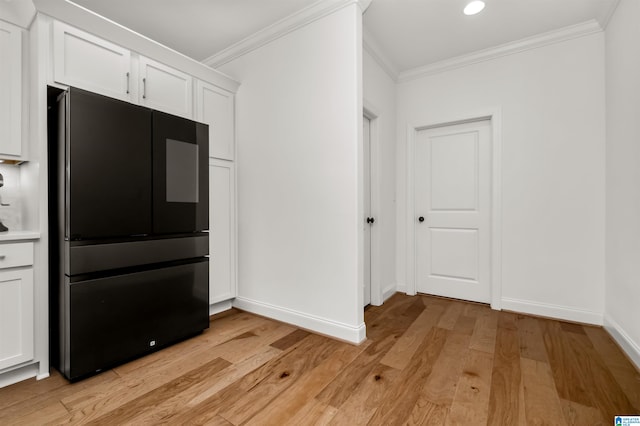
point(494, 115)
point(370, 111)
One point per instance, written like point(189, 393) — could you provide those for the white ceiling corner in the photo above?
point(284, 26)
point(413, 33)
point(538, 40)
point(20, 12)
point(370, 45)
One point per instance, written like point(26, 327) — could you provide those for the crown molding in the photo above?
point(17, 12)
point(281, 28)
point(372, 48)
point(608, 14)
point(534, 42)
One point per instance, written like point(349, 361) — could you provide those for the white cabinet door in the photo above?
point(10, 89)
point(88, 62)
point(215, 107)
point(222, 231)
point(165, 88)
point(16, 316)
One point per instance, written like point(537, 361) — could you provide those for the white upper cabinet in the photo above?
point(10, 90)
point(83, 60)
point(165, 88)
point(88, 62)
point(215, 107)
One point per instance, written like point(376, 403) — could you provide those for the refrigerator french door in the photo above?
point(128, 230)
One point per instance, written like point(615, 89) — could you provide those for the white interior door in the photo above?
point(368, 219)
point(452, 206)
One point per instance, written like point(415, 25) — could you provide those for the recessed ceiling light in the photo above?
point(474, 7)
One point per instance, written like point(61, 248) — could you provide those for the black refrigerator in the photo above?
point(128, 230)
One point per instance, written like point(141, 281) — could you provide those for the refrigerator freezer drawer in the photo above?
point(111, 320)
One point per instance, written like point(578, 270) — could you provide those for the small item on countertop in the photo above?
point(2, 227)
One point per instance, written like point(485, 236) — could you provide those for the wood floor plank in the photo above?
point(570, 327)
point(402, 351)
point(437, 392)
point(275, 379)
point(31, 388)
point(507, 320)
point(605, 392)
point(579, 415)
point(569, 379)
point(359, 370)
point(465, 324)
point(293, 399)
point(452, 313)
point(313, 412)
point(531, 340)
point(542, 404)
point(43, 400)
point(155, 397)
point(401, 397)
point(290, 339)
point(218, 421)
point(483, 337)
point(216, 334)
point(363, 401)
point(171, 408)
point(504, 399)
point(106, 397)
point(440, 386)
point(475, 310)
point(249, 369)
point(619, 365)
point(53, 413)
point(471, 401)
point(426, 412)
point(200, 411)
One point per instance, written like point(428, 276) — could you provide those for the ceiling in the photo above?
point(408, 33)
point(196, 28)
point(413, 33)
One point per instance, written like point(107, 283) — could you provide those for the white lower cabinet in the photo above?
point(222, 231)
point(16, 304)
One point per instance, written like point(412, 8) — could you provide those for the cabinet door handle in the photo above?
point(144, 88)
point(127, 83)
point(2, 257)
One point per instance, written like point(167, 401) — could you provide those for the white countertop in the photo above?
point(19, 235)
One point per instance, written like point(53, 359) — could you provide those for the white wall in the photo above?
point(299, 136)
point(623, 176)
point(553, 168)
point(380, 98)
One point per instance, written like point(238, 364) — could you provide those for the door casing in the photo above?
point(370, 111)
point(495, 116)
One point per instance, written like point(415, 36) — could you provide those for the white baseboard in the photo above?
point(401, 288)
point(319, 325)
point(216, 308)
point(18, 375)
point(631, 348)
point(552, 311)
point(388, 292)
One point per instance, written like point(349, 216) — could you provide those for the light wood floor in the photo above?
point(426, 361)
